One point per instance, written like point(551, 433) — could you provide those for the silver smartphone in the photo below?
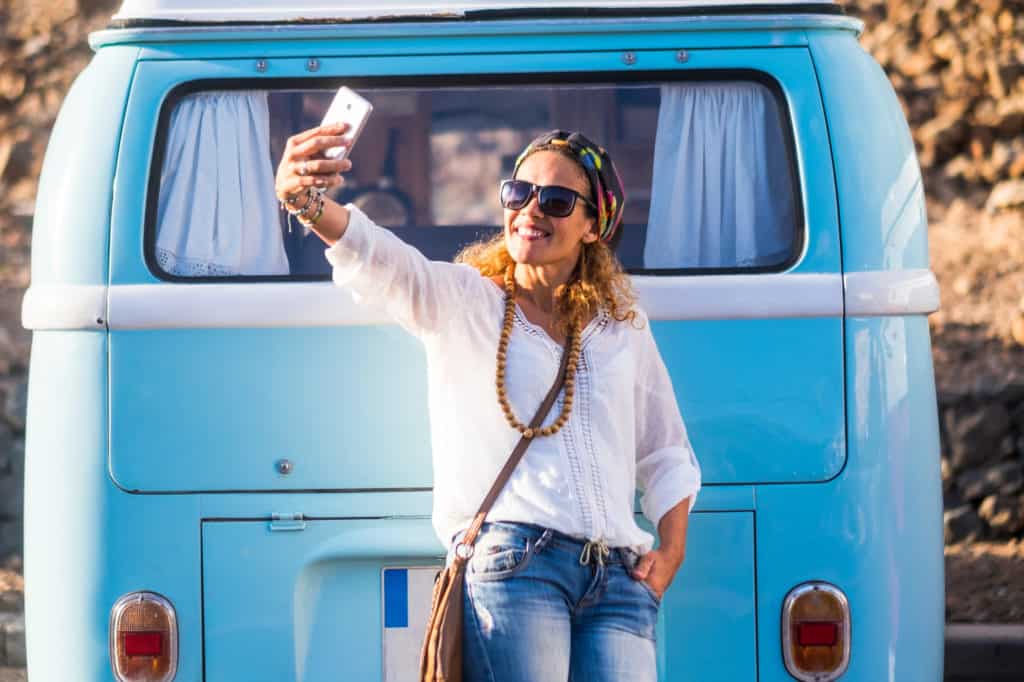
point(347, 107)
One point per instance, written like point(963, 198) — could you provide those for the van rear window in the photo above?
point(707, 165)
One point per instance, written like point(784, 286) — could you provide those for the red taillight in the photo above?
point(816, 632)
point(143, 643)
point(143, 638)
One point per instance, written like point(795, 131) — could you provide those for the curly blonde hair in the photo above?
point(598, 280)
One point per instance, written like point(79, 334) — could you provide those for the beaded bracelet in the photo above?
point(310, 222)
point(299, 212)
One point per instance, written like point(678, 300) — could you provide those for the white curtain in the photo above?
point(217, 213)
point(722, 191)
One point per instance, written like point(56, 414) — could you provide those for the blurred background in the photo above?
point(958, 68)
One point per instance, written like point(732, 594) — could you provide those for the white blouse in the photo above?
point(624, 431)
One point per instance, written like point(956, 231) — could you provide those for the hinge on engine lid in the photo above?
point(281, 521)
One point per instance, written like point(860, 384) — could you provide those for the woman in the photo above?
point(562, 584)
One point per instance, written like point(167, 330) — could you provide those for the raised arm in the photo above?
point(380, 269)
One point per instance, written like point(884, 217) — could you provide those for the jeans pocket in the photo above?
point(499, 555)
point(650, 592)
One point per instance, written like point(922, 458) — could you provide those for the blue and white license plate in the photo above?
point(406, 594)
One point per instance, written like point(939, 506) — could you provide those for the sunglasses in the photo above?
point(554, 200)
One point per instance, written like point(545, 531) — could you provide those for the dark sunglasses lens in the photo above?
point(515, 194)
point(557, 201)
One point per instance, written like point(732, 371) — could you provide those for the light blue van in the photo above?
point(228, 471)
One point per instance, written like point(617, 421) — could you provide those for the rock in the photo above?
point(946, 47)
point(916, 64)
point(12, 84)
point(1007, 447)
point(12, 489)
point(973, 486)
point(1017, 417)
point(7, 441)
point(12, 601)
point(19, 160)
point(994, 166)
point(930, 23)
point(8, 352)
point(1003, 514)
point(15, 404)
point(975, 435)
point(1017, 329)
point(941, 136)
point(11, 537)
point(1006, 195)
point(962, 284)
point(962, 524)
point(6, 148)
point(951, 498)
point(35, 44)
point(1011, 389)
point(1006, 478)
point(14, 640)
point(1010, 113)
point(1005, 22)
point(1016, 167)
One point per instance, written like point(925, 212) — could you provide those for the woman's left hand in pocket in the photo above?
point(657, 568)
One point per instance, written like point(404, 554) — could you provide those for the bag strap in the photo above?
point(517, 453)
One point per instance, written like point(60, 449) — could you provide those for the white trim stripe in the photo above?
point(64, 307)
point(882, 292)
point(321, 304)
point(740, 297)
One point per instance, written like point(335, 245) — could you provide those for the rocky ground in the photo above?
point(983, 582)
point(958, 68)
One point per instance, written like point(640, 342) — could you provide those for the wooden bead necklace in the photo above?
point(570, 372)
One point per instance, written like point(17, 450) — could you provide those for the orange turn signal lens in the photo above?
point(816, 632)
point(143, 638)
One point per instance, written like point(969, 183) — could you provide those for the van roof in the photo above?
point(249, 11)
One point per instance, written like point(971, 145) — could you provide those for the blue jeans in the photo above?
point(533, 613)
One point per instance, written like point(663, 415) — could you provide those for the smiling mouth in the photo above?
point(531, 234)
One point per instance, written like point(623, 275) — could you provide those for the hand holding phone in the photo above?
point(347, 107)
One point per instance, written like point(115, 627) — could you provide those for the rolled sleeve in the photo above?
point(669, 476)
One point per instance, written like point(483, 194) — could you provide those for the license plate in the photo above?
point(405, 599)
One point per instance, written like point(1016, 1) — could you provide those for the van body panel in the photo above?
point(311, 606)
point(71, 228)
point(65, 439)
point(222, 419)
point(351, 415)
point(86, 542)
point(777, 416)
point(876, 530)
point(881, 196)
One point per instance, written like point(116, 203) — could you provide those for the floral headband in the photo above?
point(609, 194)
